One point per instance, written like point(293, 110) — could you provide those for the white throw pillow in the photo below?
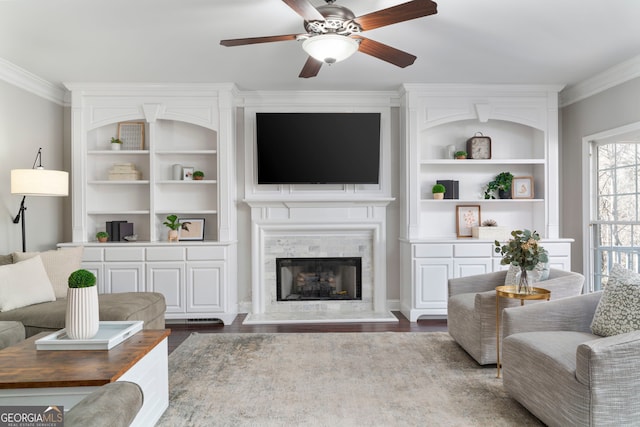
point(618, 310)
point(59, 264)
point(24, 283)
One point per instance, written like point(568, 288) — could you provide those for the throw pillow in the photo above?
point(618, 310)
point(24, 283)
point(59, 264)
point(538, 274)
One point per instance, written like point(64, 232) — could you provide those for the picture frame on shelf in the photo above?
point(467, 217)
point(187, 173)
point(132, 135)
point(522, 187)
point(191, 229)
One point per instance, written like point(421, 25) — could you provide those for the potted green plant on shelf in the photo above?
point(460, 155)
point(501, 185)
point(82, 318)
point(438, 191)
point(102, 236)
point(173, 225)
point(115, 143)
point(198, 175)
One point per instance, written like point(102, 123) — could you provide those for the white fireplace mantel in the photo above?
point(324, 222)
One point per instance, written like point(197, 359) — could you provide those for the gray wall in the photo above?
point(610, 109)
point(28, 122)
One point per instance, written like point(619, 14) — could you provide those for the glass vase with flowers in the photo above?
point(524, 251)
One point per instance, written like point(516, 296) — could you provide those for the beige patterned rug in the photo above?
point(334, 379)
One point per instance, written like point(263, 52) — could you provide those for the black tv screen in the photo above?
point(318, 148)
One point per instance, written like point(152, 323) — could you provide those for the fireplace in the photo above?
point(312, 279)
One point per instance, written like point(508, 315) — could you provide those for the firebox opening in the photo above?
point(304, 279)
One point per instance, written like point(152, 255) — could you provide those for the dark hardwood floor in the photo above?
point(179, 332)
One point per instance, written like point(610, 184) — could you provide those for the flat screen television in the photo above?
point(318, 148)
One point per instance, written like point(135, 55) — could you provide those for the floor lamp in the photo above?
point(37, 181)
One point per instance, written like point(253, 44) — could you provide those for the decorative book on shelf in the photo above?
point(124, 172)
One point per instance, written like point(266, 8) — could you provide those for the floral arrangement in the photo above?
point(523, 251)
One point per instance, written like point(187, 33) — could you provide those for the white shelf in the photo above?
point(476, 201)
point(123, 212)
point(483, 162)
point(116, 152)
point(187, 182)
point(189, 212)
point(122, 182)
point(187, 152)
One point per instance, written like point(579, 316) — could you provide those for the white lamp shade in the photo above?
point(330, 48)
point(39, 182)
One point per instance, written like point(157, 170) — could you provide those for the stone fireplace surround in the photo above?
point(318, 229)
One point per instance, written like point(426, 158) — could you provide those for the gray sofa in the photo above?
point(562, 373)
point(49, 316)
point(471, 308)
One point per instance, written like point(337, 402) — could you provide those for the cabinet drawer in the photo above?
point(92, 254)
point(206, 253)
point(557, 249)
point(472, 250)
point(433, 251)
point(165, 254)
point(124, 254)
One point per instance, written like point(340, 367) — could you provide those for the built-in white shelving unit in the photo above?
point(187, 125)
point(522, 122)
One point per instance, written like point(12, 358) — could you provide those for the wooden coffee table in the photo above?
point(63, 377)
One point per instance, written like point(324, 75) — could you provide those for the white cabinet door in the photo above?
point(205, 287)
point(97, 269)
point(431, 277)
point(124, 277)
point(168, 278)
point(470, 266)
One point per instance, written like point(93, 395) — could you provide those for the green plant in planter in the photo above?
point(115, 141)
point(502, 182)
point(102, 236)
point(172, 222)
point(460, 155)
point(198, 175)
point(81, 279)
point(438, 188)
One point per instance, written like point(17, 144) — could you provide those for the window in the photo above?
point(615, 218)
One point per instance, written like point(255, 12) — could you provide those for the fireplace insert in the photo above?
point(304, 279)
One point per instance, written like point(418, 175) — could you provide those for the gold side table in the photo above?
point(511, 292)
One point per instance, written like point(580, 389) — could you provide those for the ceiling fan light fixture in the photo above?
point(330, 48)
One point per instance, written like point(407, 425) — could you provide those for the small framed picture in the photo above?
point(467, 217)
point(522, 187)
point(187, 173)
point(191, 229)
point(132, 135)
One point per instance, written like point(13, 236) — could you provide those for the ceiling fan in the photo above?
point(333, 33)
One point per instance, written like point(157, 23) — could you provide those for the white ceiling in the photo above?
point(177, 41)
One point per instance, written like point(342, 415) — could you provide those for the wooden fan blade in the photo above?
point(311, 68)
point(392, 15)
point(305, 9)
point(254, 40)
point(386, 53)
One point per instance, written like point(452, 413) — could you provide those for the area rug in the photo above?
point(334, 379)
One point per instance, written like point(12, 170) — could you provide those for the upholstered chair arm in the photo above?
point(566, 314)
point(111, 405)
point(476, 283)
point(562, 284)
point(610, 367)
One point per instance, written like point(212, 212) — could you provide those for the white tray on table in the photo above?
point(110, 334)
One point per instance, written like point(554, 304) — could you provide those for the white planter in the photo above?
point(83, 316)
point(115, 146)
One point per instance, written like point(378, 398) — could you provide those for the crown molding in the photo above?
point(614, 76)
point(28, 81)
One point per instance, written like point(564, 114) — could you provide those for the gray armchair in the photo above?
point(112, 405)
point(471, 308)
point(563, 374)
